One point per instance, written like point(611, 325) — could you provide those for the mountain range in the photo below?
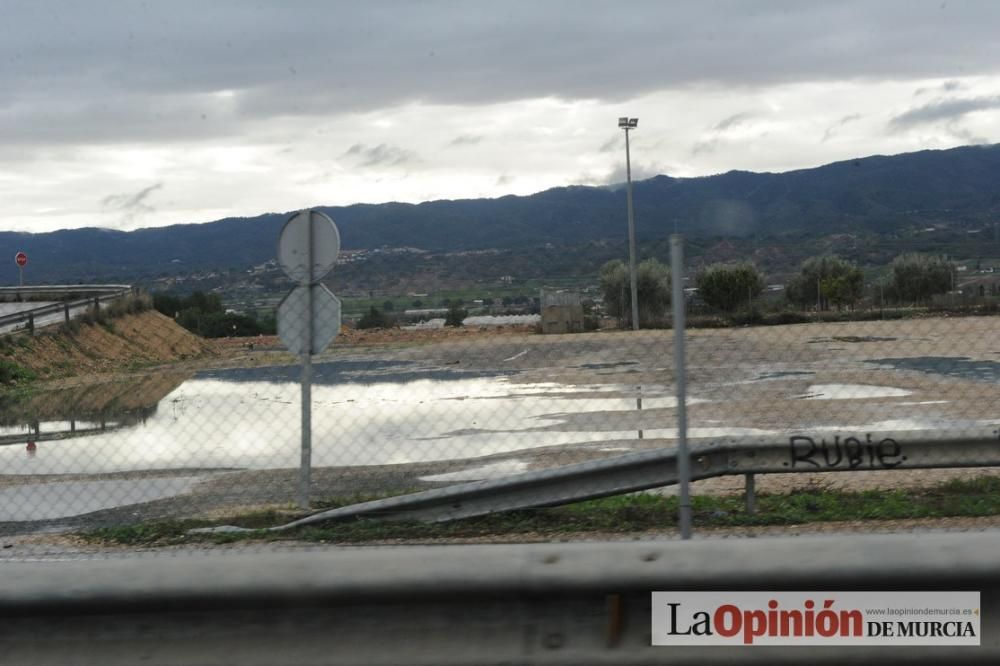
point(878, 194)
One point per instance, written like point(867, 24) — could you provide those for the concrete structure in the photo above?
point(562, 312)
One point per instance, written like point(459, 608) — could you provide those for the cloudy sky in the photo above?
point(129, 114)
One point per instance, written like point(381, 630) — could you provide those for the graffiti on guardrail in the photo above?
point(846, 453)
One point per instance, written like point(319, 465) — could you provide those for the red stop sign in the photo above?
point(21, 259)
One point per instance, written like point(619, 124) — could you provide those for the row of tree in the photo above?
point(822, 282)
point(205, 315)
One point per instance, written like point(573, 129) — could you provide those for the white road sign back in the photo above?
point(302, 229)
point(293, 318)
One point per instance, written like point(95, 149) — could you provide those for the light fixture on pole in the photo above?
point(630, 124)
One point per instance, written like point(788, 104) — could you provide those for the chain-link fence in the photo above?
point(855, 417)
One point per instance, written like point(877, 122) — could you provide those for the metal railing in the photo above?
point(498, 604)
point(64, 289)
point(830, 452)
point(28, 318)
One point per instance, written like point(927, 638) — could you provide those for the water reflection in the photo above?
point(370, 413)
point(233, 420)
point(81, 410)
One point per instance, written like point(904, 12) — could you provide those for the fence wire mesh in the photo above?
point(862, 419)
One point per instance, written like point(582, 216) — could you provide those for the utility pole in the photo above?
point(630, 124)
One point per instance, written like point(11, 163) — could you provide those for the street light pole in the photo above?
point(630, 124)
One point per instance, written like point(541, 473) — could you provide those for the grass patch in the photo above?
point(619, 515)
point(12, 374)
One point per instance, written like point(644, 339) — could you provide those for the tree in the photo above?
point(917, 277)
point(826, 279)
point(843, 290)
point(728, 286)
point(373, 319)
point(456, 315)
point(653, 287)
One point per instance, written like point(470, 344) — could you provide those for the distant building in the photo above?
point(562, 312)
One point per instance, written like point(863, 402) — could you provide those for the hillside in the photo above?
point(121, 345)
point(874, 194)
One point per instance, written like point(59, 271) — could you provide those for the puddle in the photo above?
point(961, 367)
point(49, 501)
point(495, 470)
point(781, 375)
point(861, 338)
point(893, 425)
point(607, 366)
point(708, 433)
point(247, 424)
point(851, 392)
point(339, 373)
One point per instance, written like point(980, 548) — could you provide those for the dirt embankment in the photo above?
point(119, 345)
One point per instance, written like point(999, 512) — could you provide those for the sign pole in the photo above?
point(305, 470)
point(307, 250)
point(20, 276)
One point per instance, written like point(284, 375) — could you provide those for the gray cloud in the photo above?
point(948, 86)
point(733, 121)
point(504, 179)
point(381, 155)
point(611, 145)
point(705, 146)
point(131, 206)
point(617, 176)
point(832, 129)
point(466, 140)
point(147, 71)
point(715, 135)
point(965, 135)
point(944, 109)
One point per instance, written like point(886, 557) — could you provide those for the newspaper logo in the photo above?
point(816, 618)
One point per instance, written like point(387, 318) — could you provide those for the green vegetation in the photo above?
point(917, 277)
point(374, 319)
point(621, 514)
point(205, 315)
point(13, 374)
point(824, 280)
point(730, 286)
point(653, 288)
point(456, 315)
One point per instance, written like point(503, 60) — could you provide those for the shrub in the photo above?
point(12, 373)
point(918, 277)
point(456, 316)
point(729, 286)
point(826, 279)
point(652, 287)
point(373, 319)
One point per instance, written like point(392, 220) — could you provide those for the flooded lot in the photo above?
point(409, 417)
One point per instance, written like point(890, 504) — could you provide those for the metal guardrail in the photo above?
point(828, 452)
point(64, 289)
point(497, 604)
point(28, 316)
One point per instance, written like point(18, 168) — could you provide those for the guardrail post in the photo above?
point(31, 324)
point(66, 312)
point(97, 304)
point(750, 494)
